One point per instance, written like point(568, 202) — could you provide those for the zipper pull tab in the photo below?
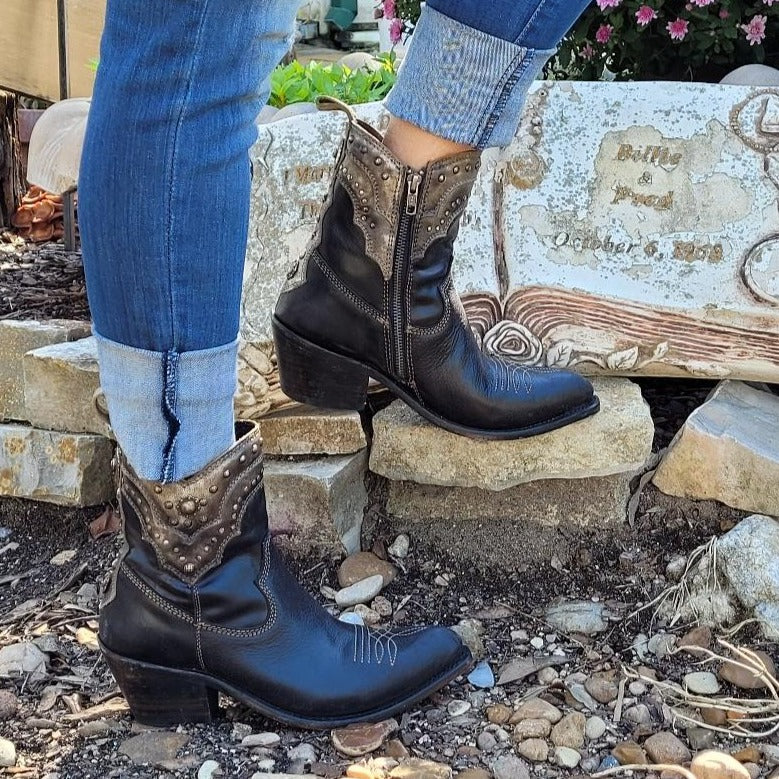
point(413, 193)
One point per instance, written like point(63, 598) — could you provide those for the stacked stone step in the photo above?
point(504, 502)
point(56, 444)
point(53, 459)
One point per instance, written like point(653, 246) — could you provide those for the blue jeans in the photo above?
point(165, 177)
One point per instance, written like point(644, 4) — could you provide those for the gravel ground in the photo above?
point(69, 720)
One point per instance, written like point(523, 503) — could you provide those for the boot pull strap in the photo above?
point(327, 103)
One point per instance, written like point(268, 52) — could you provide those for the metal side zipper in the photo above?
point(401, 270)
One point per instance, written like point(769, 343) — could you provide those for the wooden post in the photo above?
point(11, 179)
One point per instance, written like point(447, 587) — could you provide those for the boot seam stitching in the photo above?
point(176, 612)
point(198, 628)
point(261, 582)
point(441, 326)
point(387, 330)
point(152, 596)
point(330, 275)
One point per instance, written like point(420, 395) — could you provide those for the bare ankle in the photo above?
point(417, 147)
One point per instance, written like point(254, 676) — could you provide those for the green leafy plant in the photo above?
point(296, 83)
point(646, 39)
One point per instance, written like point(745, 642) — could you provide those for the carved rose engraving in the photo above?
point(501, 333)
point(515, 342)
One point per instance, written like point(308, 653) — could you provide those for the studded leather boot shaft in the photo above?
point(373, 297)
point(202, 603)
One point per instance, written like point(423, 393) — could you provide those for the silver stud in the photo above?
point(242, 458)
point(437, 228)
point(429, 229)
point(158, 489)
point(165, 542)
point(384, 176)
point(373, 225)
point(442, 177)
point(199, 557)
point(175, 550)
point(377, 161)
point(174, 521)
point(364, 149)
point(456, 169)
point(206, 548)
point(189, 567)
point(235, 507)
point(221, 531)
point(226, 474)
point(364, 200)
point(182, 559)
point(213, 539)
point(213, 489)
point(447, 212)
point(187, 507)
point(202, 501)
point(168, 504)
point(235, 516)
point(254, 447)
point(467, 168)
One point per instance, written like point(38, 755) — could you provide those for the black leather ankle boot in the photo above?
point(373, 297)
point(200, 603)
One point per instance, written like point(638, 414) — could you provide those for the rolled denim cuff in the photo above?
point(172, 413)
point(462, 84)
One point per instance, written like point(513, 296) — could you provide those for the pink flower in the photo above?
point(604, 4)
point(604, 33)
point(587, 52)
point(389, 9)
point(645, 14)
point(396, 31)
point(755, 29)
point(724, 13)
point(769, 2)
point(678, 29)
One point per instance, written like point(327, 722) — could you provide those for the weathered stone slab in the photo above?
point(728, 450)
point(748, 555)
point(643, 243)
point(63, 468)
point(616, 440)
point(60, 382)
point(16, 339)
point(511, 527)
point(317, 504)
point(306, 431)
